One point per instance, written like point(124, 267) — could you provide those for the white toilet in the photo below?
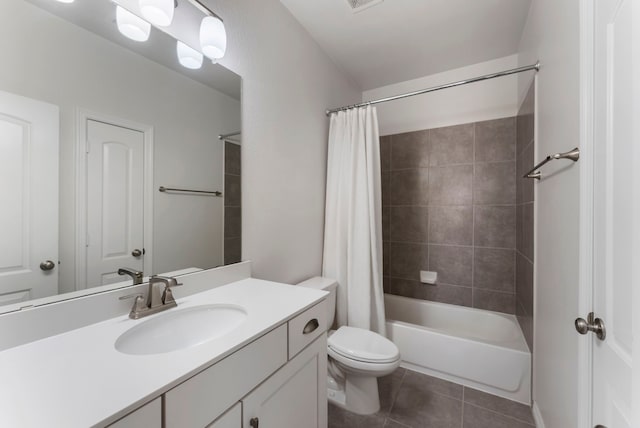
point(357, 357)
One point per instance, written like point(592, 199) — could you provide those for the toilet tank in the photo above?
point(326, 284)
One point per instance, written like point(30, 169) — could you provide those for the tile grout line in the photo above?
point(436, 244)
point(395, 398)
point(473, 225)
point(396, 422)
point(462, 407)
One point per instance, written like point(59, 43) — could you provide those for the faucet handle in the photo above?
point(167, 294)
point(139, 304)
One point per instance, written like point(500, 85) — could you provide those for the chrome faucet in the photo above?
point(156, 300)
point(136, 275)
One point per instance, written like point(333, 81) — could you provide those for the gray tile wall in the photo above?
point(232, 205)
point(524, 217)
point(449, 205)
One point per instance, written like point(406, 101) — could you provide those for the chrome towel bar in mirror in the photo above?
point(572, 155)
point(202, 192)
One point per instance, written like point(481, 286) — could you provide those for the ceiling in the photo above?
point(398, 40)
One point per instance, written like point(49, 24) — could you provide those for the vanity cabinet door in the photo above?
point(147, 416)
point(295, 396)
point(203, 398)
point(231, 419)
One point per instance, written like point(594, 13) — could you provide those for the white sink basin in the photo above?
point(181, 329)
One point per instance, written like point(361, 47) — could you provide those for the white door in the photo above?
point(29, 193)
point(616, 216)
point(115, 202)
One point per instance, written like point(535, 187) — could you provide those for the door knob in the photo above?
point(136, 253)
point(592, 324)
point(47, 265)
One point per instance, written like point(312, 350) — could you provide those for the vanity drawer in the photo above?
point(306, 327)
point(231, 419)
point(201, 399)
point(147, 416)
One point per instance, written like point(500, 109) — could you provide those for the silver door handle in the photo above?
point(136, 253)
point(47, 265)
point(593, 324)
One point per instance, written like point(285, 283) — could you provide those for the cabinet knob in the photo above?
point(254, 422)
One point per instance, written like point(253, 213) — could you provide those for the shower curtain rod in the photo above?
point(535, 67)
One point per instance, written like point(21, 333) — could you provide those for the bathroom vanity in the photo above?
point(267, 370)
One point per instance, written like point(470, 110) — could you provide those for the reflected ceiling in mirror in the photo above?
point(92, 124)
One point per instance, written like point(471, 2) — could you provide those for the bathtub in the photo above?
point(477, 348)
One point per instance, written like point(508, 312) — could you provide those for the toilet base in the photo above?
point(337, 397)
point(360, 395)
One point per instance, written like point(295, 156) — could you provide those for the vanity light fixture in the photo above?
point(213, 37)
point(158, 12)
point(189, 57)
point(132, 26)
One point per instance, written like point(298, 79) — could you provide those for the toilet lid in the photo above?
point(363, 345)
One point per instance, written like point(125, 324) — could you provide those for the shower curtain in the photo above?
point(353, 219)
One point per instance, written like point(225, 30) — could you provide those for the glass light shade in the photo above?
point(213, 37)
point(157, 12)
point(132, 26)
point(189, 57)
point(66, 1)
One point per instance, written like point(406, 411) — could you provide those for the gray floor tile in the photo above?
point(340, 418)
point(388, 387)
point(390, 423)
point(417, 405)
point(498, 404)
point(424, 382)
point(477, 417)
point(413, 400)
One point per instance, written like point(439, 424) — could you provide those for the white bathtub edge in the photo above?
point(537, 416)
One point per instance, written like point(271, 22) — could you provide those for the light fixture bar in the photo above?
point(204, 9)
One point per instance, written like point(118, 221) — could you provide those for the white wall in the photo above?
point(72, 68)
point(288, 82)
point(552, 36)
point(491, 99)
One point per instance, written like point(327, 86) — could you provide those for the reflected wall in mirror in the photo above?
point(92, 124)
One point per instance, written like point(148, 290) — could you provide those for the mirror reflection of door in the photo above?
point(115, 202)
point(29, 189)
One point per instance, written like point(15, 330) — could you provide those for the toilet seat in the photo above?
point(363, 346)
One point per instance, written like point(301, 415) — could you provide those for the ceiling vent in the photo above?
point(360, 5)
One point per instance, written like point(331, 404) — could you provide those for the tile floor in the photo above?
point(412, 400)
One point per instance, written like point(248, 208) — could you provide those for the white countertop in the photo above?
point(79, 379)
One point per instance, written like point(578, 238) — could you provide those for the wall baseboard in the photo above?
point(537, 416)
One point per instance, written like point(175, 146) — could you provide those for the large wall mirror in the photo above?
point(92, 126)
